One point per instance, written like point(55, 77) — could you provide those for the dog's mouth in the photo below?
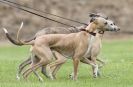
point(113, 30)
point(118, 29)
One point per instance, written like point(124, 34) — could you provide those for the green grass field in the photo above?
point(118, 71)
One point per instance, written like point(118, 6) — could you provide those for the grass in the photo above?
point(118, 72)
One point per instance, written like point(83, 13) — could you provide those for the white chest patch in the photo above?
point(90, 42)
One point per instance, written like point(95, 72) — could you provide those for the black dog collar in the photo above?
point(92, 33)
point(101, 32)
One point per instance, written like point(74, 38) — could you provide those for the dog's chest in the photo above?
point(90, 43)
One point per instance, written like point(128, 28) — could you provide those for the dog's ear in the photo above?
point(93, 15)
point(106, 18)
point(92, 19)
point(98, 15)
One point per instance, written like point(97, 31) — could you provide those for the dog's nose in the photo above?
point(118, 29)
point(114, 29)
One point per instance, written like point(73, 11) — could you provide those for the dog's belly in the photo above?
point(65, 52)
point(87, 55)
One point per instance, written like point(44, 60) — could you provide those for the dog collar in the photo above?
point(101, 32)
point(92, 33)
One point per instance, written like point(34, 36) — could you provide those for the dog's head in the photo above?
point(102, 24)
point(111, 26)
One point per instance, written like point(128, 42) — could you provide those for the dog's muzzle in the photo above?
point(114, 29)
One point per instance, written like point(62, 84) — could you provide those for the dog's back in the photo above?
point(58, 30)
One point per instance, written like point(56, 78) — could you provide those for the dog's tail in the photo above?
point(10, 38)
point(18, 41)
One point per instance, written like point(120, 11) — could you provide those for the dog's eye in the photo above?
point(105, 23)
point(114, 23)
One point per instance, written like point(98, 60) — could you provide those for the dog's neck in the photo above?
point(99, 34)
point(91, 28)
point(94, 34)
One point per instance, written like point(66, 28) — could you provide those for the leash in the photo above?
point(37, 14)
point(44, 12)
point(20, 7)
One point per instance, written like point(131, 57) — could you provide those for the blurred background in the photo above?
point(120, 11)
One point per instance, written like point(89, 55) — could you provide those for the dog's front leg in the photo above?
point(95, 67)
point(102, 63)
point(76, 63)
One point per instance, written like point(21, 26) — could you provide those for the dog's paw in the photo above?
point(98, 73)
point(95, 73)
point(54, 76)
point(51, 76)
point(41, 79)
point(71, 76)
point(17, 77)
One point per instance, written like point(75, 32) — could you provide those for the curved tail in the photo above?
point(11, 39)
point(18, 41)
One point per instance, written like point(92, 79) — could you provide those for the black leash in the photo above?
point(44, 12)
point(36, 14)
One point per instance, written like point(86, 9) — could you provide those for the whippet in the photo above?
point(94, 47)
point(66, 44)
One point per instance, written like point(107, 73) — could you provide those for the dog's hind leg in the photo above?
point(56, 69)
point(44, 72)
point(21, 67)
point(45, 56)
point(35, 59)
point(38, 76)
point(33, 67)
point(54, 66)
